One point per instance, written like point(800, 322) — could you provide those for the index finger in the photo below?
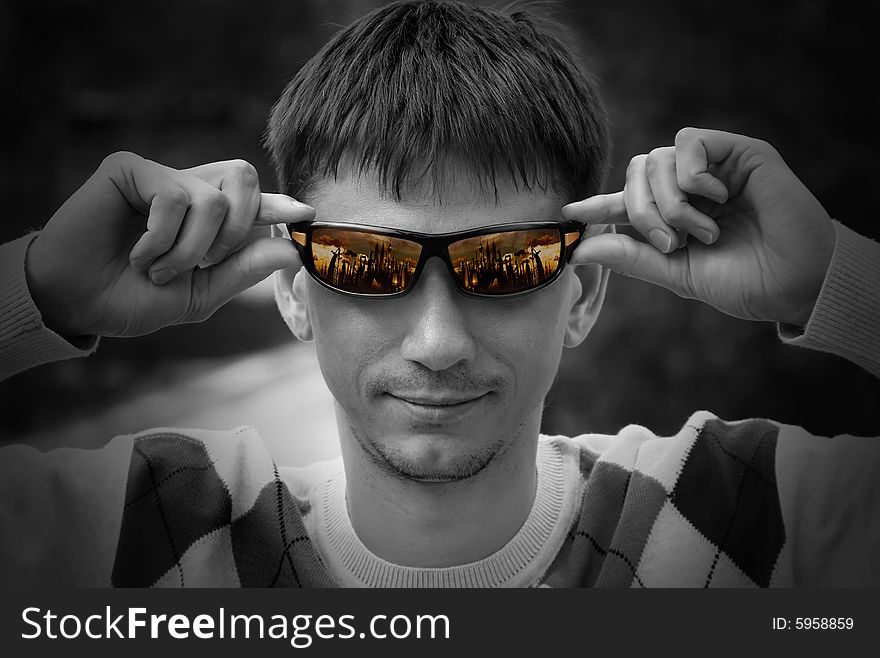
point(281, 209)
point(599, 209)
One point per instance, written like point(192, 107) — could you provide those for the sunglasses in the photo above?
point(493, 261)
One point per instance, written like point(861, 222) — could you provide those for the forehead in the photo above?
point(360, 200)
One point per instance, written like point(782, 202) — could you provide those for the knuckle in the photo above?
point(685, 135)
point(216, 203)
point(635, 164)
point(765, 147)
point(662, 156)
point(245, 171)
point(119, 159)
point(176, 197)
point(653, 161)
point(677, 214)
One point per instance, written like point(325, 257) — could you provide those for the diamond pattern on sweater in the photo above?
point(664, 563)
point(644, 499)
point(727, 574)
point(710, 517)
point(208, 562)
point(617, 513)
point(177, 527)
point(271, 546)
point(719, 525)
point(727, 490)
point(156, 530)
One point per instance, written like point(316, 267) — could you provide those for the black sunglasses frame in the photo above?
point(434, 244)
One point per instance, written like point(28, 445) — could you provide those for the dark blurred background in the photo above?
point(189, 82)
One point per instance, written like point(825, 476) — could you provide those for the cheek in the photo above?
point(346, 340)
point(527, 335)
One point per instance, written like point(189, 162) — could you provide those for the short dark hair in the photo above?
point(422, 88)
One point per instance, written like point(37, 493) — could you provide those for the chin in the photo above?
point(435, 458)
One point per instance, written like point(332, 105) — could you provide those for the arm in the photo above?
point(766, 250)
point(830, 505)
point(119, 258)
point(138, 247)
point(846, 318)
point(827, 486)
point(25, 341)
point(729, 224)
point(60, 514)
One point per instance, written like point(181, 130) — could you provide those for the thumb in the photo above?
point(624, 255)
point(245, 268)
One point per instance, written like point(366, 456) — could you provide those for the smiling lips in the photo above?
point(438, 400)
point(437, 409)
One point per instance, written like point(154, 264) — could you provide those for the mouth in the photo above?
point(437, 409)
point(438, 400)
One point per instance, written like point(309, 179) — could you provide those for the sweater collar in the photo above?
point(519, 563)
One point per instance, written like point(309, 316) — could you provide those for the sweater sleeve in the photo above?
point(25, 342)
point(830, 503)
point(60, 514)
point(846, 318)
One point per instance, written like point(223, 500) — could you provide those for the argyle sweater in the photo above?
point(748, 503)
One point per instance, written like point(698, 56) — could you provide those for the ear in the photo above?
point(291, 295)
point(590, 285)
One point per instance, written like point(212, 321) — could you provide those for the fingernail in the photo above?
point(303, 207)
point(703, 235)
point(660, 239)
point(162, 276)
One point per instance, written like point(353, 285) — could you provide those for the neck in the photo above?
point(440, 524)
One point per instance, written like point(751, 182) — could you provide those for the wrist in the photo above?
point(844, 320)
point(815, 268)
point(799, 319)
point(40, 288)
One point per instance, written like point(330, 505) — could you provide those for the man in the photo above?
point(431, 141)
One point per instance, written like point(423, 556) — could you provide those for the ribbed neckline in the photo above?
point(519, 563)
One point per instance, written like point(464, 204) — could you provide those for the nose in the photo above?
point(438, 335)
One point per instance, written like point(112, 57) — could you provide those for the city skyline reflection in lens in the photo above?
point(506, 262)
point(362, 262)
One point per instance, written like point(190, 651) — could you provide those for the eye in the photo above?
point(364, 262)
point(507, 262)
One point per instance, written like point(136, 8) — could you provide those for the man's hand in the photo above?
point(765, 242)
point(141, 246)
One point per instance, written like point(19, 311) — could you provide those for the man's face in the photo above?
point(434, 385)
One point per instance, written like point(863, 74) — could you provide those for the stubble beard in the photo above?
point(396, 462)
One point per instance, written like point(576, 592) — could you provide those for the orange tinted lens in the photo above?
point(366, 263)
point(508, 262)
